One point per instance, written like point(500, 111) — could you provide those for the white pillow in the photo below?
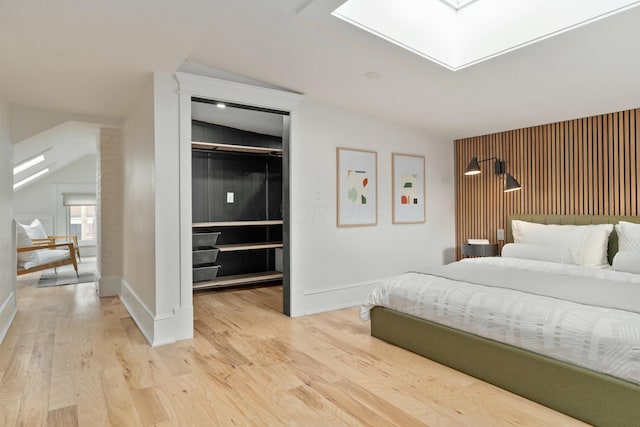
point(561, 236)
point(35, 230)
point(586, 243)
point(537, 252)
point(628, 236)
point(627, 261)
point(596, 245)
point(23, 241)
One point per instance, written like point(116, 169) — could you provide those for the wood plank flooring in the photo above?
point(72, 359)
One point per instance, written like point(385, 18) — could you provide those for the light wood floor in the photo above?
point(71, 359)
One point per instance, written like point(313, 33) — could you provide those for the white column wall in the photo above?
point(7, 229)
point(138, 288)
point(174, 311)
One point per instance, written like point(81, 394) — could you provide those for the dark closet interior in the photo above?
point(237, 203)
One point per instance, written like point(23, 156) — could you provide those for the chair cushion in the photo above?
point(46, 256)
point(35, 230)
point(23, 241)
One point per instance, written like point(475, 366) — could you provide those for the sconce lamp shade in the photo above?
point(511, 184)
point(473, 168)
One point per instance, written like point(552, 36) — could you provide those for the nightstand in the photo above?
point(490, 249)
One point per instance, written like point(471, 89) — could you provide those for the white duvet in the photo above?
point(588, 317)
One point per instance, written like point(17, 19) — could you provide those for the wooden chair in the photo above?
point(49, 256)
point(52, 240)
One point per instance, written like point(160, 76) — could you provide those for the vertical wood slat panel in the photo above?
point(610, 165)
point(588, 161)
point(604, 138)
point(633, 170)
point(597, 161)
point(583, 166)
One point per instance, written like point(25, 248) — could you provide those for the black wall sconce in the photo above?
point(500, 169)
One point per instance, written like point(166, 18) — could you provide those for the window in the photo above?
point(81, 214)
point(82, 219)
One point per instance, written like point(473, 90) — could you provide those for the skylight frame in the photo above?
point(457, 39)
point(458, 4)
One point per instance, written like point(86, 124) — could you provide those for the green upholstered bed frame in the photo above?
point(595, 398)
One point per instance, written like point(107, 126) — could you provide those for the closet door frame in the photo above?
point(194, 86)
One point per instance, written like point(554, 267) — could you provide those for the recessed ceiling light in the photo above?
point(221, 105)
point(27, 164)
point(372, 75)
point(30, 178)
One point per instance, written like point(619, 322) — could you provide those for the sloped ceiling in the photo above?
point(92, 57)
point(61, 145)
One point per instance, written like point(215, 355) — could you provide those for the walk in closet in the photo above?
point(237, 195)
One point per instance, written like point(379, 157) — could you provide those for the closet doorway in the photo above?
point(239, 195)
point(205, 93)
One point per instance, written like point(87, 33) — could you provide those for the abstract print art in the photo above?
point(358, 181)
point(408, 188)
point(357, 187)
point(409, 192)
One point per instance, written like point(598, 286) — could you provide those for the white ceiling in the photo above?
point(93, 57)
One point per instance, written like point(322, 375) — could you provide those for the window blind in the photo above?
point(79, 199)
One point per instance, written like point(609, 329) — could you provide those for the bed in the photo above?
point(607, 393)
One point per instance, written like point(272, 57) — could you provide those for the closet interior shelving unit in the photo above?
point(237, 206)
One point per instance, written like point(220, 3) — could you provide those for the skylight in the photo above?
point(30, 178)
point(27, 164)
point(460, 33)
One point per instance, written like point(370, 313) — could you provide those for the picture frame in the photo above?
point(408, 189)
point(357, 187)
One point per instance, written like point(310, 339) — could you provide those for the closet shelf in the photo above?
point(239, 279)
point(235, 148)
point(236, 223)
point(248, 246)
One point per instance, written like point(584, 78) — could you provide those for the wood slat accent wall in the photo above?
point(586, 166)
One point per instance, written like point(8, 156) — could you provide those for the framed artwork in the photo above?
point(357, 191)
point(408, 189)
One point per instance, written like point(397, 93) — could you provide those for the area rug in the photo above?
point(67, 276)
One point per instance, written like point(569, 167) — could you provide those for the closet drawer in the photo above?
point(205, 256)
point(207, 272)
point(205, 240)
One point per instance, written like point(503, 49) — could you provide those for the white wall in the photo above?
point(27, 121)
point(335, 267)
point(138, 291)
point(35, 197)
point(7, 230)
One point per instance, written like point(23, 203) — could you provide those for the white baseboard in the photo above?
point(139, 312)
point(109, 286)
point(8, 311)
point(336, 298)
point(160, 329)
point(173, 327)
